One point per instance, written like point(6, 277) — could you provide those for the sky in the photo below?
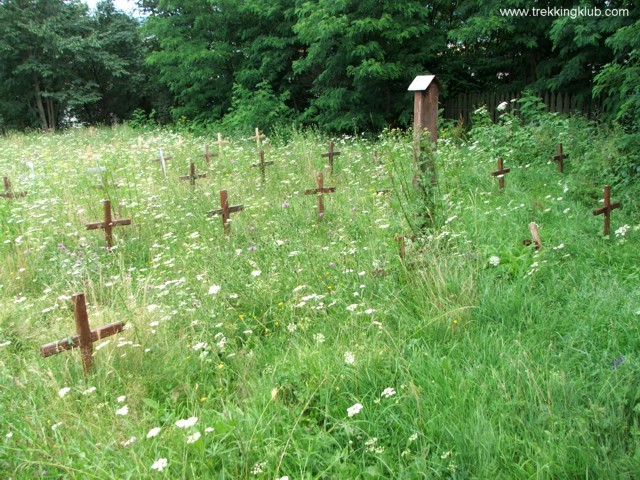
point(128, 6)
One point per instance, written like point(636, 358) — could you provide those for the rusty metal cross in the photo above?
point(330, 155)
point(262, 164)
point(606, 209)
point(8, 190)
point(225, 211)
point(192, 177)
point(559, 158)
point(500, 173)
point(108, 223)
point(320, 191)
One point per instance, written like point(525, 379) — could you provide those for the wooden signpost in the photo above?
point(262, 164)
point(225, 211)
point(108, 223)
point(320, 191)
point(163, 162)
point(207, 155)
point(606, 209)
point(8, 190)
point(257, 138)
point(500, 173)
point(559, 158)
point(192, 177)
point(85, 336)
point(220, 142)
point(330, 155)
point(533, 228)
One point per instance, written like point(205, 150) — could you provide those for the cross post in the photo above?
point(606, 209)
point(85, 336)
point(192, 177)
point(225, 211)
point(500, 173)
point(8, 190)
point(330, 155)
point(208, 155)
point(320, 191)
point(220, 142)
point(108, 224)
point(163, 162)
point(559, 157)
point(257, 138)
point(262, 164)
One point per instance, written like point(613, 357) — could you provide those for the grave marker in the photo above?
point(330, 155)
point(207, 155)
point(559, 157)
point(220, 142)
point(163, 162)
point(533, 228)
point(85, 336)
point(320, 191)
point(8, 190)
point(426, 90)
point(262, 164)
point(225, 211)
point(500, 173)
point(108, 223)
point(606, 209)
point(192, 177)
point(257, 138)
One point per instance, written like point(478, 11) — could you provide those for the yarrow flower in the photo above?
point(494, 261)
point(349, 358)
point(123, 411)
point(189, 422)
point(193, 438)
point(153, 432)
point(63, 391)
point(213, 289)
point(388, 392)
point(159, 464)
point(354, 410)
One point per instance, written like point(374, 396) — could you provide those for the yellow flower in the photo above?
point(220, 365)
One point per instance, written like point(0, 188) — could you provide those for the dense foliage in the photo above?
point(342, 65)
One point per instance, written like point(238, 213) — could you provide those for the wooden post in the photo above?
point(192, 175)
point(108, 224)
point(500, 173)
point(208, 155)
point(220, 142)
point(320, 191)
point(330, 155)
point(163, 162)
point(85, 336)
point(8, 190)
point(225, 210)
point(262, 164)
point(426, 90)
point(257, 138)
point(559, 158)
point(534, 235)
point(606, 209)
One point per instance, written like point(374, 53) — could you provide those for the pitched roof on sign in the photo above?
point(422, 82)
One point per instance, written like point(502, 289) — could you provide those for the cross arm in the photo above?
point(319, 190)
point(607, 208)
point(52, 348)
point(233, 209)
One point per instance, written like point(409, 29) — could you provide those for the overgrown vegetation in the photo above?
point(306, 348)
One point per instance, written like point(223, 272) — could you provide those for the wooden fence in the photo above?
point(463, 106)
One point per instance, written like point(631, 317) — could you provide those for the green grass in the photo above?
point(526, 369)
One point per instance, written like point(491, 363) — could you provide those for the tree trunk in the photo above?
point(41, 113)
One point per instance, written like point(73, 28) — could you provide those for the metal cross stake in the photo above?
point(192, 175)
point(208, 155)
point(262, 164)
point(320, 191)
point(8, 190)
point(606, 209)
point(108, 223)
point(500, 173)
point(85, 336)
point(330, 156)
point(257, 138)
point(163, 162)
point(225, 211)
point(559, 158)
point(220, 142)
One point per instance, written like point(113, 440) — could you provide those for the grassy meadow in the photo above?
point(304, 347)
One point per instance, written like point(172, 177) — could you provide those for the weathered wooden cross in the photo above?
point(559, 158)
point(220, 142)
point(207, 155)
point(8, 190)
point(320, 191)
point(85, 336)
point(192, 177)
point(225, 211)
point(108, 223)
point(257, 138)
point(500, 173)
point(330, 154)
point(262, 164)
point(606, 209)
point(163, 162)
point(533, 228)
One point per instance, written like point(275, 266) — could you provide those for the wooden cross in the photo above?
point(500, 173)
point(533, 228)
point(330, 154)
point(220, 142)
point(559, 158)
point(163, 163)
point(8, 190)
point(208, 155)
point(257, 138)
point(192, 175)
point(262, 164)
point(225, 211)
point(320, 191)
point(606, 209)
point(108, 223)
point(85, 336)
